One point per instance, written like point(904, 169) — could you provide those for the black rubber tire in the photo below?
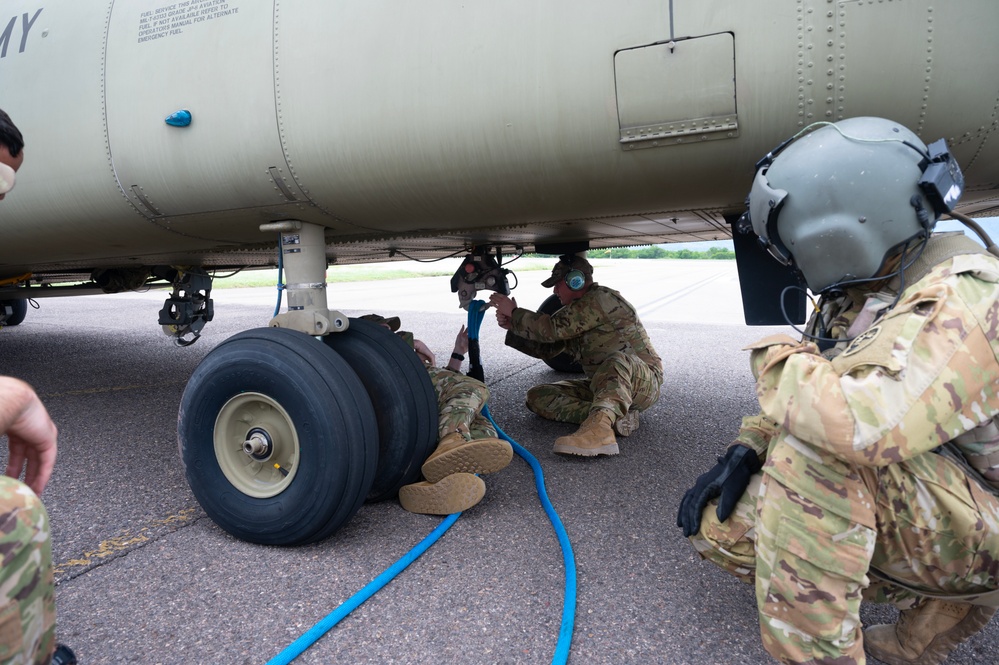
point(19, 309)
point(328, 417)
point(563, 362)
point(404, 399)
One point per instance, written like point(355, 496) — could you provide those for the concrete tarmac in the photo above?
point(144, 576)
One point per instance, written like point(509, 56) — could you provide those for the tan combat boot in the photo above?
point(625, 426)
point(926, 634)
point(454, 454)
point(594, 437)
point(453, 494)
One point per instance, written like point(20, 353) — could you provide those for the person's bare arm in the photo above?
point(424, 352)
point(504, 308)
point(31, 434)
point(460, 349)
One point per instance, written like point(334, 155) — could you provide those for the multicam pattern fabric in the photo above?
point(621, 383)
point(602, 332)
point(27, 587)
point(460, 399)
point(851, 479)
point(922, 375)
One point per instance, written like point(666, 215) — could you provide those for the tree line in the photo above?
point(659, 252)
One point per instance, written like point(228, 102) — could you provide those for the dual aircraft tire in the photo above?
point(283, 437)
point(563, 362)
point(403, 396)
point(19, 309)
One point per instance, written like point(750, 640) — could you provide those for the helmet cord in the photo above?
point(990, 246)
point(822, 338)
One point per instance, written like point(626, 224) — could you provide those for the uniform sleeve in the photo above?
point(542, 350)
point(756, 433)
point(407, 337)
point(569, 322)
point(917, 378)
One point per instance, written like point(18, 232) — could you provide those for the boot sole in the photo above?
point(481, 456)
point(453, 494)
point(565, 449)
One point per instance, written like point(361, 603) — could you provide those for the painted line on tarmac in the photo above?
point(653, 306)
point(127, 540)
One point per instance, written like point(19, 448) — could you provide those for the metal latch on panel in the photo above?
point(684, 131)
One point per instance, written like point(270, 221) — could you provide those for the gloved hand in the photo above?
point(728, 479)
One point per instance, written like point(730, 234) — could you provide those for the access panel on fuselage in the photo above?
point(213, 58)
point(658, 105)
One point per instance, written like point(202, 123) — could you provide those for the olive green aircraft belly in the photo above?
point(438, 125)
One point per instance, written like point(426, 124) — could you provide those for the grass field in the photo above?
point(367, 272)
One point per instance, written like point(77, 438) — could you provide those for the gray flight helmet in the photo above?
point(837, 202)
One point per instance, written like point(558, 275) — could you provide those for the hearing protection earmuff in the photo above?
point(575, 280)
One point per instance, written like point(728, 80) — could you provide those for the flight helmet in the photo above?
point(839, 201)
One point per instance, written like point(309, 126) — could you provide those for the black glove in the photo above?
point(727, 479)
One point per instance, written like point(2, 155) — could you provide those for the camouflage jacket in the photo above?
point(589, 329)
point(904, 380)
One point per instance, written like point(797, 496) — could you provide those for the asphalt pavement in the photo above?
point(144, 576)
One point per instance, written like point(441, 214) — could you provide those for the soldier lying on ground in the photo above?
point(468, 444)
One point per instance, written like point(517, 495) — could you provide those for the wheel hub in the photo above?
point(256, 445)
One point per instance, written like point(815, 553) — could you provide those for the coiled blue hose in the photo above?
point(476, 311)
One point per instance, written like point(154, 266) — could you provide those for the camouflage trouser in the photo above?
point(808, 528)
point(621, 383)
point(460, 400)
point(27, 614)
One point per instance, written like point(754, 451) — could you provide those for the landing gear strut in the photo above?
point(285, 431)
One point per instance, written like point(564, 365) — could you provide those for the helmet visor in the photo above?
point(764, 207)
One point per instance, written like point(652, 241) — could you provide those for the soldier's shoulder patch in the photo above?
point(862, 340)
point(875, 347)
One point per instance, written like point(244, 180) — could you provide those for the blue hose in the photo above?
point(280, 285)
point(476, 311)
point(296, 648)
point(568, 558)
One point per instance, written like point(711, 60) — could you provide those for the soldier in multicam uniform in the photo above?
point(27, 581)
point(468, 444)
point(27, 615)
point(601, 331)
point(877, 438)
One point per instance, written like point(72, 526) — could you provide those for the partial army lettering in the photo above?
point(8, 33)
